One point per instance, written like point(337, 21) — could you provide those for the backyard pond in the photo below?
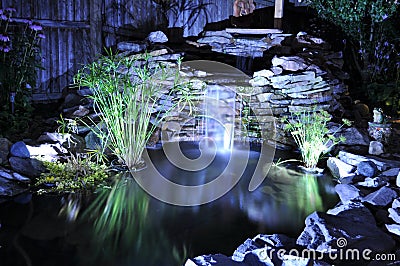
point(138, 229)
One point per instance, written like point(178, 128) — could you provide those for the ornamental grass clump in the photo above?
point(310, 132)
point(126, 92)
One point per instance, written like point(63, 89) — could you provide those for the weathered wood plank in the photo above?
point(62, 58)
point(78, 10)
point(95, 27)
point(62, 7)
point(46, 97)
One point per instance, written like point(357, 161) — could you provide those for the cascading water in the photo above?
point(220, 116)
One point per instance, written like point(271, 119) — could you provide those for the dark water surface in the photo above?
point(37, 233)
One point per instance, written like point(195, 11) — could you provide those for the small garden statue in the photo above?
point(379, 129)
point(379, 117)
point(243, 13)
point(243, 7)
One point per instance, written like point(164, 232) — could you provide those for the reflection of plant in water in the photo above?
point(119, 211)
point(122, 229)
point(70, 206)
point(307, 194)
point(300, 191)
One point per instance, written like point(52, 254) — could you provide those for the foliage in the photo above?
point(310, 132)
point(126, 91)
point(20, 59)
point(250, 122)
point(192, 9)
point(78, 173)
point(67, 125)
point(13, 124)
point(372, 29)
point(386, 95)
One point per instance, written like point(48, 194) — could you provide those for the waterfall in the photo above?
point(219, 116)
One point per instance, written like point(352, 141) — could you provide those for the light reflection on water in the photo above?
point(279, 205)
point(122, 225)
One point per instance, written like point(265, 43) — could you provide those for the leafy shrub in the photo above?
point(372, 28)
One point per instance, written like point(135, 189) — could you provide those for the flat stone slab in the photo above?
point(382, 164)
point(252, 31)
point(382, 197)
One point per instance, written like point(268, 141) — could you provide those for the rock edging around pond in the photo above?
point(362, 227)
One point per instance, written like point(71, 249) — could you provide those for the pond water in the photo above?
point(141, 230)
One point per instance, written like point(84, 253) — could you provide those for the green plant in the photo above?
point(13, 124)
point(371, 28)
point(78, 173)
point(310, 132)
point(126, 91)
point(20, 60)
point(66, 125)
point(184, 12)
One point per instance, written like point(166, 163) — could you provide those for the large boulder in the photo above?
point(367, 168)
point(135, 47)
point(354, 228)
point(347, 192)
point(10, 175)
point(338, 168)
point(157, 37)
point(381, 164)
point(27, 167)
point(20, 150)
point(355, 136)
point(71, 100)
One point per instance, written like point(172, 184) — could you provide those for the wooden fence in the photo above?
point(77, 30)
